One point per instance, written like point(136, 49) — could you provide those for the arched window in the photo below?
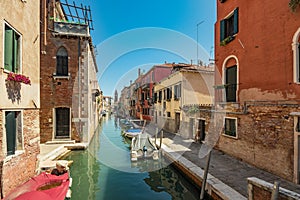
point(62, 62)
point(296, 56)
point(230, 78)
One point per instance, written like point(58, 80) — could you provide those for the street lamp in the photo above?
point(197, 38)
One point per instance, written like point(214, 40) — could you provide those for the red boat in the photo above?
point(43, 186)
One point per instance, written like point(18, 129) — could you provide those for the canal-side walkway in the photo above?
point(229, 171)
point(50, 152)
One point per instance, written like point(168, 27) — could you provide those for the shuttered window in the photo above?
point(13, 127)
point(11, 50)
point(229, 26)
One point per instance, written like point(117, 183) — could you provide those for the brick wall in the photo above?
point(19, 168)
point(265, 138)
point(59, 92)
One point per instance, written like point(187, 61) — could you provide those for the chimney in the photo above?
point(139, 72)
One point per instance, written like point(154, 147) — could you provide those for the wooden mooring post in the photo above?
point(161, 137)
point(205, 176)
point(275, 191)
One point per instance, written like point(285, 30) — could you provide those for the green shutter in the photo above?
point(8, 49)
point(10, 126)
point(222, 30)
point(15, 53)
point(236, 21)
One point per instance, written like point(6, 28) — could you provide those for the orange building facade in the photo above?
point(258, 83)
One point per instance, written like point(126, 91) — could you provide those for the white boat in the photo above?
point(132, 132)
point(143, 147)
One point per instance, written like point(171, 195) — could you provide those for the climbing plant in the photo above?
point(293, 4)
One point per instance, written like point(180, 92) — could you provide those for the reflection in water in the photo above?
point(94, 179)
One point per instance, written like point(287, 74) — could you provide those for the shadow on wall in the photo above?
point(13, 91)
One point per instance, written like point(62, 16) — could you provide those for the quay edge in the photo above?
point(215, 188)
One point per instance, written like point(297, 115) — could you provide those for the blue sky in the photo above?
point(138, 34)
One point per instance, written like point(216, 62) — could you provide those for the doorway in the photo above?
point(62, 116)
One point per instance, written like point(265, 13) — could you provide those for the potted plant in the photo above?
point(18, 78)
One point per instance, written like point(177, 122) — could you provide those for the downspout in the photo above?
point(79, 89)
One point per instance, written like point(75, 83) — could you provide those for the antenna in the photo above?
point(197, 38)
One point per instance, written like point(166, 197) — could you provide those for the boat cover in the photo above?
point(34, 189)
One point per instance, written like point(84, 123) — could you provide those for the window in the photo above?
point(298, 125)
point(13, 127)
point(168, 114)
point(298, 65)
point(230, 127)
point(229, 26)
point(177, 91)
point(159, 96)
point(155, 97)
point(231, 83)
point(169, 94)
point(296, 56)
point(62, 62)
point(12, 47)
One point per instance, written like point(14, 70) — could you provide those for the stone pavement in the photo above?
point(227, 169)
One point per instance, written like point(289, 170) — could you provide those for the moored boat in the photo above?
point(143, 147)
point(132, 132)
point(44, 186)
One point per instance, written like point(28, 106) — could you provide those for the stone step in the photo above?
point(61, 142)
point(54, 153)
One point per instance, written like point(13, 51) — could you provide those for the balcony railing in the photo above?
point(225, 93)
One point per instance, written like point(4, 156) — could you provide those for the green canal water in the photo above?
point(104, 171)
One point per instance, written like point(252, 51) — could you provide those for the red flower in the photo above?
point(18, 78)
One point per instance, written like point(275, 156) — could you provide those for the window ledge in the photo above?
point(17, 153)
point(232, 137)
point(60, 76)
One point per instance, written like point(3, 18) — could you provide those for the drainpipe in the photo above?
point(1, 178)
point(79, 89)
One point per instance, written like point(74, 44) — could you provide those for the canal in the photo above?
point(104, 171)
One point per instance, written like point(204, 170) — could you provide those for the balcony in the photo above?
point(67, 28)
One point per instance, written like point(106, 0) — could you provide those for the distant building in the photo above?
point(69, 86)
point(259, 88)
point(145, 87)
point(179, 97)
point(20, 92)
